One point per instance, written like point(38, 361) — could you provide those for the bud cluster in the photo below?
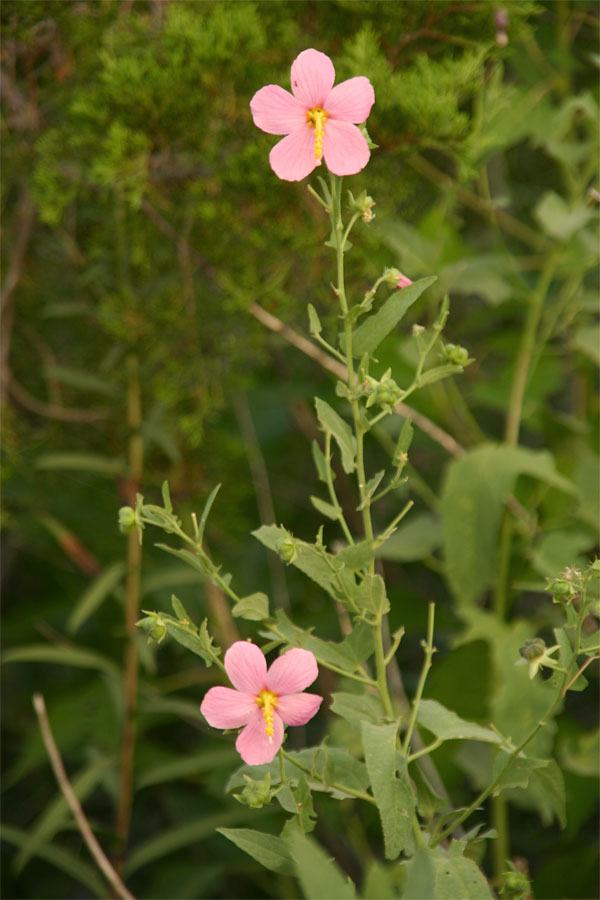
point(385, 392)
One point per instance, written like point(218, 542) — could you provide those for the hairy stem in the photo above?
point(429, 651)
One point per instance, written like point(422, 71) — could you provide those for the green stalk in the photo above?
point(331, 489)
point(341, 237)
point(429, 651)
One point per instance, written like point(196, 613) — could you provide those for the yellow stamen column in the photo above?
point(316, 119)
point(267, 701)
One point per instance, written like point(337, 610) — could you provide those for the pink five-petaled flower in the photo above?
point(319, 120)
point(403, 282)
point(263, 700)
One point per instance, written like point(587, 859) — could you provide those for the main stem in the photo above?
point(341, 237)
point(132, 613)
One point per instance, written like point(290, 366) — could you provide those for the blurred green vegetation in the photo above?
point(142, 219)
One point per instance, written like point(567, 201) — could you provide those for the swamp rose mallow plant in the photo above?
point(263, 700)
point(320, 120)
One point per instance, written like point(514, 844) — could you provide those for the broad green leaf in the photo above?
point(355, 649)
point(64, 656)
point(472, 502)
point(186, 767)
point(416, 539)
point(379, 884)
point(371, 596)
point(85, 462)
point(57, 814)
point(270, 851)
point(518, 772)
point(433, 874)
point(326, 509)
point(545, 793)
point(558, 219)
point(179, 610)
point(447, 725)
point(341, 431)
point(254, 607)
point(319, 876)
point(429, 802)
point(174, 838)
point(370, 334)
point(320, 568)
point(580, 753)
point(62, 859)
point(356, 556)
point(394, 797)
point(97, 592)
point(357, 708)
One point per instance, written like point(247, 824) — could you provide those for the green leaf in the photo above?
point(254, 607)
point(518, 772)
point(357, 708)
point(416, 539)
point(187, 557)
point(355, 649)
point(447, 725)
point(332, 422)
point(321, 567)
point(314, 322)
point(429, 802)
point(356, 556)
point(180, 610)
point(319, 876)
point(472, 501)
point(587, 340)
point(370, 334)
point(404, 441)
point(197, 640)
point(558, 219)
point(371, 596)
point(326, 509)
point(206, 511)
point(370, 488)
point(84, 462)
point(394, 797)
point(64, 656)
point(378, 884)
point(174, 838)
point(270, 851)
point(439, 372)
point(182, 768)
point(320, 463)
point(82, 380)
point(433, 874)
point(96, 593)
point(64, 860)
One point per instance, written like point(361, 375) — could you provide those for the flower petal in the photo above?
point(247, 667)
point(253, 744)
point(292, 672)
point(351, 101)
point(345, 149)
point(275, 111)
point(293, 158)
point(312, 77)
point(223, 707)
point(297, 709)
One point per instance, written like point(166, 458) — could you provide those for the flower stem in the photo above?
point(380, 667)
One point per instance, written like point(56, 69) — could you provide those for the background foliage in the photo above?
point(142, 219)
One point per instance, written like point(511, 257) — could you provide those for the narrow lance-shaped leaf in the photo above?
point(332, 422)
point(370, 334)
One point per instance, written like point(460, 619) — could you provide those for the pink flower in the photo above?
point(262, 701)
point(319, 120)
point(403, 282)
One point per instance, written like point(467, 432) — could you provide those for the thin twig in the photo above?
point(75, 806)
point(53, 410)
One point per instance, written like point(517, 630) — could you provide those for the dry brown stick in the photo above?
point(307, 347)
point(25, 218)
point(75, 806)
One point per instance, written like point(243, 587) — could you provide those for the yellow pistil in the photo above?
point(267, 701)
point(316, 118)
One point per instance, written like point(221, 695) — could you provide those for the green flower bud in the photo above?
point(286, 549)
point(392, 277)
point(456, 354)
point(255, 793)
point(154, 627)
point(533, 649)
point(127, 519)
